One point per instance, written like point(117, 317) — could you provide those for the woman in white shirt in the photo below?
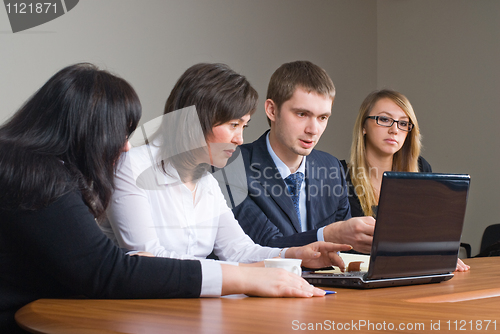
point(167, 203)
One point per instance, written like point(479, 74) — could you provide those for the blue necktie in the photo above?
point(294, 181)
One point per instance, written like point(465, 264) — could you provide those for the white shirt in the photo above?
point(154, 212)
point(285, 172)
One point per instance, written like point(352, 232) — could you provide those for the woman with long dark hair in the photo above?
point(58, 154)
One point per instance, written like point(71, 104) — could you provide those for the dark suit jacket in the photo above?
point(267, 214)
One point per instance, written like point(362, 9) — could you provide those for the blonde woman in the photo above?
point(386, 137)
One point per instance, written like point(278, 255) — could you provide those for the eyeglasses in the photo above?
point(388, 122)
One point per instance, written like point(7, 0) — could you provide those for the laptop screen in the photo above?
point(419, 224)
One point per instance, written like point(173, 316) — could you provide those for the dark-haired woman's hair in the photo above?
point(67, 136)
point(219, 95)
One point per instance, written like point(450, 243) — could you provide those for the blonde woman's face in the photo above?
point(381, 140)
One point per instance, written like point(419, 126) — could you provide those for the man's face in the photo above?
point(299, 123)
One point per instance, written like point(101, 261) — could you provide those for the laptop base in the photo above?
point(360, 283)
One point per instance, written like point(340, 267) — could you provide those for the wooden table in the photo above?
point(470, 301)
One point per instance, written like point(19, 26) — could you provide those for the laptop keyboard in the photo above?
point(359, 274)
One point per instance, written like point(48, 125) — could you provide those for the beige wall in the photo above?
point(442, 54)
point(150, 43)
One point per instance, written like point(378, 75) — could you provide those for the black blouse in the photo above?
point(60, 252)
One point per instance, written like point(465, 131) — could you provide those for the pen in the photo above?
point(330, 292)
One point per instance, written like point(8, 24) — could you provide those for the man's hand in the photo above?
point(319, 254)
point(357, 232)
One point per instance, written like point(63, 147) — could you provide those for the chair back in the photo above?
point(491, 236)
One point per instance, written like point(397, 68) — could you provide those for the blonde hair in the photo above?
point(404, 160)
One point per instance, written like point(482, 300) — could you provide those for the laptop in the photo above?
point(417, 234)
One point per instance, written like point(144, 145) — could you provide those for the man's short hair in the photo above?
point(303, 74)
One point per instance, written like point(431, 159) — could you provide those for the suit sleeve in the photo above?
point(343, 207)
point(356, 210)
point(257, 225)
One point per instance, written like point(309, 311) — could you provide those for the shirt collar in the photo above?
point(282, 168)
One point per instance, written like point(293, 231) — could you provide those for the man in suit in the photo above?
point(297, 195)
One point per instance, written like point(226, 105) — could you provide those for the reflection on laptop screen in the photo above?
point(422, 217)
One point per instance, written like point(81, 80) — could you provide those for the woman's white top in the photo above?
point(155, 212)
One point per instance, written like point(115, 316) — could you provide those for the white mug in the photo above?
point(291, 265)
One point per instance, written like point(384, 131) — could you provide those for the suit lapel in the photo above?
point(312, 184)
point(271, 180)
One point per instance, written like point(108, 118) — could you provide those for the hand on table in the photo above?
point(461, 266)
point(265, 282)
